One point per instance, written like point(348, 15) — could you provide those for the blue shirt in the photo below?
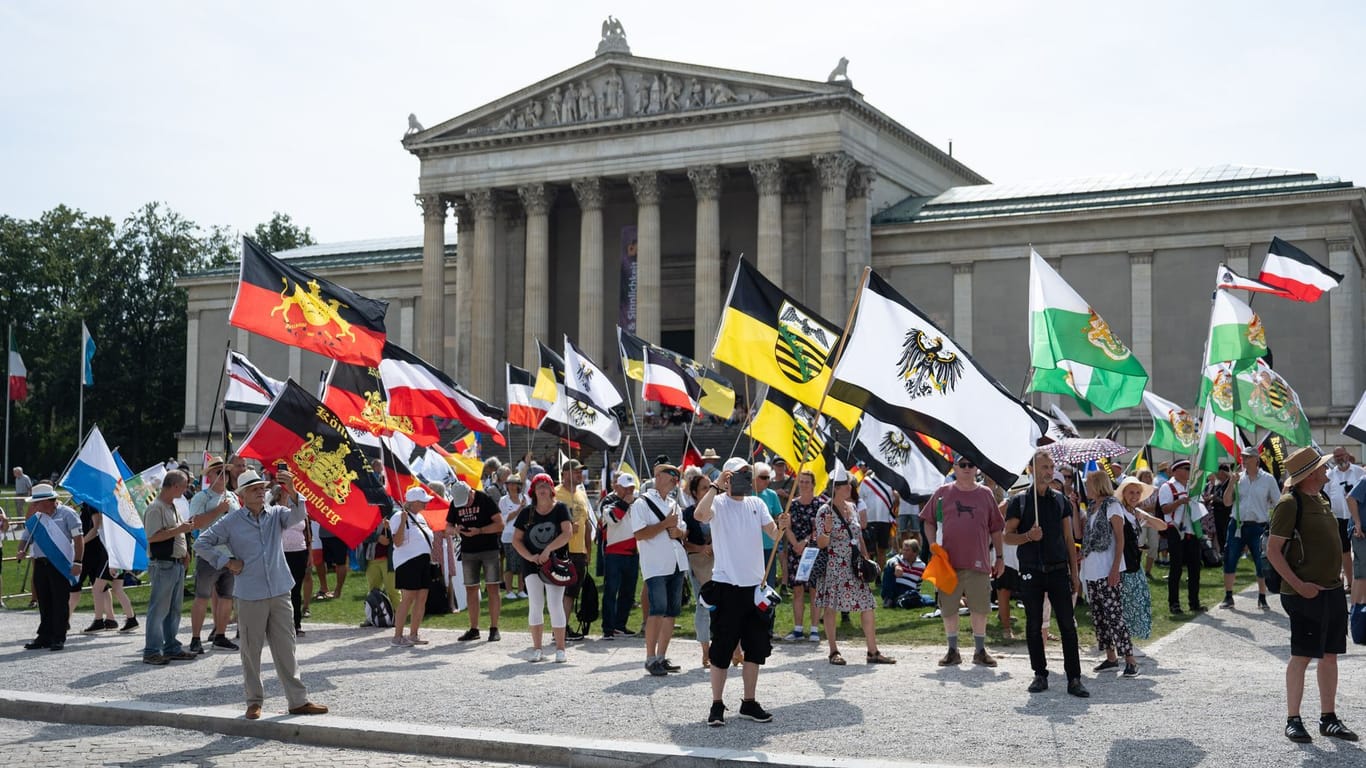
point(775, 509)
point(256, 541)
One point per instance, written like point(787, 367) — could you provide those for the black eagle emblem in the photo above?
point(585, 376)
point(582, 415)
point(896, 449)
point(926, 367)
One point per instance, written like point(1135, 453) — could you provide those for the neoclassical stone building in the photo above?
point(624, 189)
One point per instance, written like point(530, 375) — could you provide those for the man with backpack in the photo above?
point(1312, 591)
point(1183, 537)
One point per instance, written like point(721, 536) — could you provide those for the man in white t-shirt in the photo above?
point(739, 598)
point(659, 531)
point(1343, 476)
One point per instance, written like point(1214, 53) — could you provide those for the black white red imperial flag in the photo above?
point(329, 469)
point(294, 307)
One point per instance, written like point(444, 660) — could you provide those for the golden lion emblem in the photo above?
point(1222, 389)
point(375, 417)
point(316, 313)
point(326, 470)
point(1256, 332)
point(1183, 426)
point(1101, 337)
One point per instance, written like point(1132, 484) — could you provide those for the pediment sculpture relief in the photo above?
point(618, 93)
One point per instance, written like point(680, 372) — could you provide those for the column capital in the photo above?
point(962, 267)
point(536, 198)
point(768, 176)
point(646, 186)
point(484, 202)
point(589, 191)
point(834, 168)
point(1340, 245)
point(433, 206)
point(1140, 257)
point(464, 215)
point(706, 181)
point(861, 182)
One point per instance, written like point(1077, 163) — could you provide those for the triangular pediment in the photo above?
point(621, 87)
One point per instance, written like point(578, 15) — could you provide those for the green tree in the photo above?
point(281, 234)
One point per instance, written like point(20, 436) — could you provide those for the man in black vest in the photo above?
point(1038, 522)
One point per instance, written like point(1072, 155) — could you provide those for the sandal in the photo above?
point(837, 659)
point(878, 658)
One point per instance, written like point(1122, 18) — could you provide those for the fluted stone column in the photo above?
point(647, 188)
point(464, 261)
point(833, 169)
point(432, 335)
point(1344, 318)
point(481, 358)
point(590, 195)
point(962, 305)
point(706, 184)
point(537, 199)
point(768, 180)
point(794, 237)
point(1141, 306)
point(858, 241)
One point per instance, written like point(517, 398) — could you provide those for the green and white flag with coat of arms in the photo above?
point(1072, 349)
point(1174, 428)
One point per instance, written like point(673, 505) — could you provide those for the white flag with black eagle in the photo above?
point(896, 458)
point(926, 383)
point(249, 390)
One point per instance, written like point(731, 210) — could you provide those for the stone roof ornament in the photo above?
point(413, 125)
point(613, 38)
point(840, 74)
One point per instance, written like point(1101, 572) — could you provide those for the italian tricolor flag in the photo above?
point(1236, 334)
point(1072, 349)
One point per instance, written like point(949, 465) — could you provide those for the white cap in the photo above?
point(417, 493)
point(626, 481)
point(734, 464)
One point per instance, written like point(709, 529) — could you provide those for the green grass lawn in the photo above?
point(895, 626)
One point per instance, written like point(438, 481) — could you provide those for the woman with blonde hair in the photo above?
point(1134, 593)
point(1102, 545)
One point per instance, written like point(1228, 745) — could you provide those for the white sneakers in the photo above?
point(560, 658)
point(538, 655)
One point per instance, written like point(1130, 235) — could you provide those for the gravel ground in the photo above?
point(1209, 694)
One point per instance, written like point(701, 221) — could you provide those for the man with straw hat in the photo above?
point(1311, 590)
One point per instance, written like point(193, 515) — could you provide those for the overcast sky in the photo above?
point(227, 112)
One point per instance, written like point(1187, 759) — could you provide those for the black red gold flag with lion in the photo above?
point(329, 469)
point(282, 302)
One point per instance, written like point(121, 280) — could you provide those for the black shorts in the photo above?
point(581, 565)
point(878, 534)
point(335, 552)
point(737, 621)
point(1345, 536)
point(1318, 625)
point(414, 574)
point(1009, 580)
point(93, 566)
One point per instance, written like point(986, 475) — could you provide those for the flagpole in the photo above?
point(9, 350)
point(80, 387)
point(219, 395)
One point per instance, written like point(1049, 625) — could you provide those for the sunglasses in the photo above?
point(965, 464)
point(762, 477)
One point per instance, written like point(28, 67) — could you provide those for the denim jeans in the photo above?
point(163, 608)
point(666, 594)
point(701, 618)
point(618, 589)
point(1245, 535)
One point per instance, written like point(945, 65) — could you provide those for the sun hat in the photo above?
point(42, 492)
point(1303, 462)
point(248, 479)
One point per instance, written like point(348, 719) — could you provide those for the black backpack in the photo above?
point(438, 599)
point(1272, 576)
point(378, 610)
point(587, 606)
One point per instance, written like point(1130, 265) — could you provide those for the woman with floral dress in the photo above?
point(841, 588)
point(1137, 601)
point(798, 537)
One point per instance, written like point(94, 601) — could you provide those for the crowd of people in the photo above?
point(743, 537)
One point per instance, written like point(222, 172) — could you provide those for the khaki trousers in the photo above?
point(269, 622)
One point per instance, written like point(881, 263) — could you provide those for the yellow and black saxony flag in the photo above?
point(769, 336)
point(330, 471)
point(795, 432)
point(282, 302)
